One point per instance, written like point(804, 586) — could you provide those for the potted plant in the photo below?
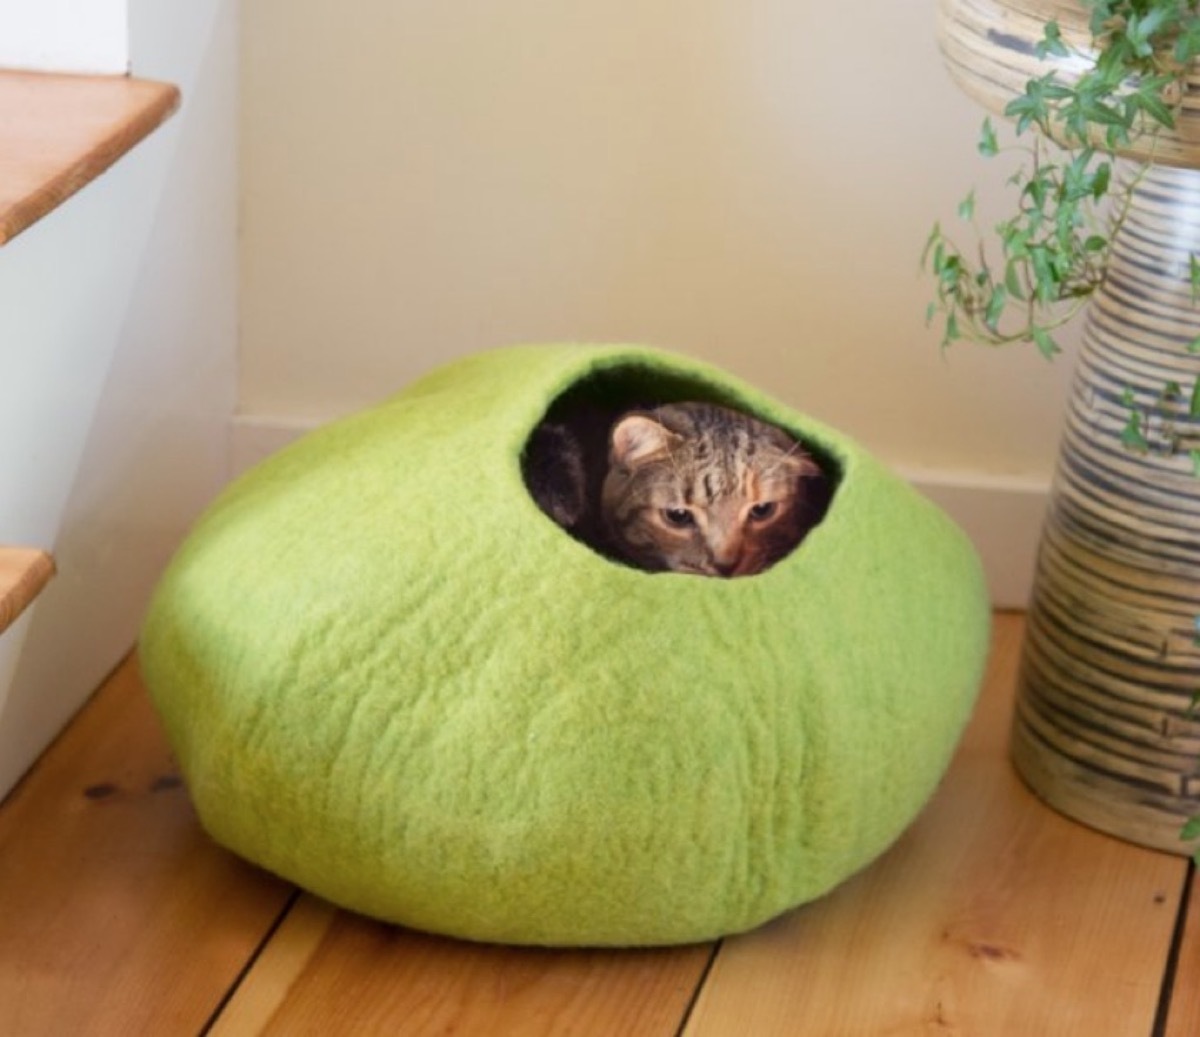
point(1105, 111)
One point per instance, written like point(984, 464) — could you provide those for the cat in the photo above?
point(684, 487)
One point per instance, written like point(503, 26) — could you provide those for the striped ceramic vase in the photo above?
point(1103, 729)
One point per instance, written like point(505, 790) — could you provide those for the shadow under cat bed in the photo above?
point(391, 678)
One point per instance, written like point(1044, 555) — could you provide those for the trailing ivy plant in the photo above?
point(1051, 254)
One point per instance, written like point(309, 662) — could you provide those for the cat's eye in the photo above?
point(680, 518)
point(763, 510)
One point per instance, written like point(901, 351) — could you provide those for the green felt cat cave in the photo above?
point(393, 680)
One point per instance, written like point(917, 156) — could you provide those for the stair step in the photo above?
point(58, 132)
point(24, 571)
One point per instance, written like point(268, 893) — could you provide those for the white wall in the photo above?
point(117, 375)
point(750, 181)
point(64, 35)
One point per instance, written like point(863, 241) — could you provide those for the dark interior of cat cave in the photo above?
point(589, 407)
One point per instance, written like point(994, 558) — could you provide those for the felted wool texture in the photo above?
point(391, 679)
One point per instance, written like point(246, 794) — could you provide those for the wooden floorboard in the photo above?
point(117, 916)
point(1183, 1003)
point(992, 915)
point(329, 972)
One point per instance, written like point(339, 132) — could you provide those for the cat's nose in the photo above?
point(726, 551)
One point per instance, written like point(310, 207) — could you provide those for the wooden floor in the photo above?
point(992, 915)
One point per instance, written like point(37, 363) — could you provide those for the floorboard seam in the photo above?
point(1163, 1012)
point(700, 984)
point(251, 961)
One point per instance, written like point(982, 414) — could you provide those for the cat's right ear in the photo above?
point(638, 439)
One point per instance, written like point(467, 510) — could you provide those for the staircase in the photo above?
point(58, 133)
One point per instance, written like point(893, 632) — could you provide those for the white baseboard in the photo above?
point(253, 439)
point(1001, 514)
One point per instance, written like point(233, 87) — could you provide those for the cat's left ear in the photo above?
point(637, 439)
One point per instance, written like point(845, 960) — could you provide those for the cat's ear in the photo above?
point(806, 467)
point(797, 464)
point(637, 439)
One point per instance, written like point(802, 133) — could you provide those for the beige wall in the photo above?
point(747, 180)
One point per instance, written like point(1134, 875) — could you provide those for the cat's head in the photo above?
point(698, 488)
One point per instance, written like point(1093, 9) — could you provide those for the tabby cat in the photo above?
point(684, 487)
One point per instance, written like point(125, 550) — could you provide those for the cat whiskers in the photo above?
point(796, 447)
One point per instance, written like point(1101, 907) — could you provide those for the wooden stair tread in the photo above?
point(58, 132)
point(24, 571)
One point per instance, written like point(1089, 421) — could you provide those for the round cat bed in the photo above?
point(391, 679)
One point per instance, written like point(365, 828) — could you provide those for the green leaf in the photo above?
point(1194, 278)
point(1101, 15)
point(1016, 242)
point(1190, 830)
point(949, 267)
point(1116, 137)
point(1158, 110)
point(989, 147)
point(952, 334)
point(1132, 436)
point(1187, 46)
point(1045, 343)
point(1052, 42)
point(1140, 31)
point(1012, 282)
point(1103, 114)
point(1032, 107)
point(995, 308)
point(966, 208)
point(1194, 456)
point(1038, 191)
point(1045, 279)
point(935, 235)
point(1194, 401)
